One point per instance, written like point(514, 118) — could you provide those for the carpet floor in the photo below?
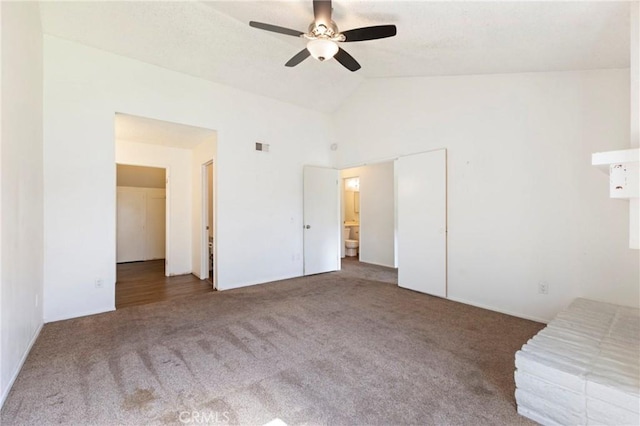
point(348, 347)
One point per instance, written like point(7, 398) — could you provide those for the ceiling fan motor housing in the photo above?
point(321, 29)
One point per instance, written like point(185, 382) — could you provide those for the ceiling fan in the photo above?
point(323, 36)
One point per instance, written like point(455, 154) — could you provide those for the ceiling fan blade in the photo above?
point(299, 57)
point(347, 60)
point(275, 29)
point(370, 33)
point(322, 11)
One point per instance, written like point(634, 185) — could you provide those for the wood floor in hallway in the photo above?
point(139, 283)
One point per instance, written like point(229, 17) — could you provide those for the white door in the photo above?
point(130, 219)
point(321, 220)
point(155, 224)
point(422, 222)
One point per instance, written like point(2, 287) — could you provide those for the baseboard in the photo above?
point(377, 264)
point(252, 283)
point(502, 311)
point(5, 392)
point(80, 314)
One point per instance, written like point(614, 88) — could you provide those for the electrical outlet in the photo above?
point(99, 283)
point(543, 287)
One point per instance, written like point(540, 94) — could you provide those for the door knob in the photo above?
point(308, 227)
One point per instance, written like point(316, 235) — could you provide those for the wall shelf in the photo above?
point(604, 159)
point(623, 167)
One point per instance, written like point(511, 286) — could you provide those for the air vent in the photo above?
point(262, 147)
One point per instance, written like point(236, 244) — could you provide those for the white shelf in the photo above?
point(604, 159)
point(623, 168)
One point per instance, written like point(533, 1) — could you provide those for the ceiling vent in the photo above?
point(262, 146)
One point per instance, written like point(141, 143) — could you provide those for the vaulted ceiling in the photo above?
point(213, 41)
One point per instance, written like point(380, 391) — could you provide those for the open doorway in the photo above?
point(368, 214)
point(179, 150)
point(351, 212)
point(141, 238)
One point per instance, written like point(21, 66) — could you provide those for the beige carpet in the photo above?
point(328, 349)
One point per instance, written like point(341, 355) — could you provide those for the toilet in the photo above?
point(351, 243)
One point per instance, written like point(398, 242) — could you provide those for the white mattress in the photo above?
point(583, 368)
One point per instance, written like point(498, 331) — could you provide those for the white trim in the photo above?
point(5, 392)
point(206, 205)
point(501, 311)
point(269, 281)
point(215, 218)
point(168, 270)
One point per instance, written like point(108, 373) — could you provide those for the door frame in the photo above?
point(167, 179)
point(395, 207)
point(207, 204)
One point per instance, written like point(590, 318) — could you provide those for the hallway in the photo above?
point(139, 283)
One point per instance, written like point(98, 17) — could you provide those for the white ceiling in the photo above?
point(147, 130)
point(213, 40)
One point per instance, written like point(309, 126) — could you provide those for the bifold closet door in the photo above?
point(422, 222)
point(140, 224)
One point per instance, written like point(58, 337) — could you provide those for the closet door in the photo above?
point(422, 222)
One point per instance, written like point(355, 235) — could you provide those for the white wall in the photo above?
point(201, 154)
point(259, 195)
point(377, 212)
point(21, 224)
point(377, 217)
point(179, 192)
point(524, 203)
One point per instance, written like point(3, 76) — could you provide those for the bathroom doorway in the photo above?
point(368, 214)
point(351, 217)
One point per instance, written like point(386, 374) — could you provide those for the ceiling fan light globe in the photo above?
point(322, 49)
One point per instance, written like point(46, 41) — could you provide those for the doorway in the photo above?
point(351, 217)
point(181, 150)
point(418, 210)
point(369, 230)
